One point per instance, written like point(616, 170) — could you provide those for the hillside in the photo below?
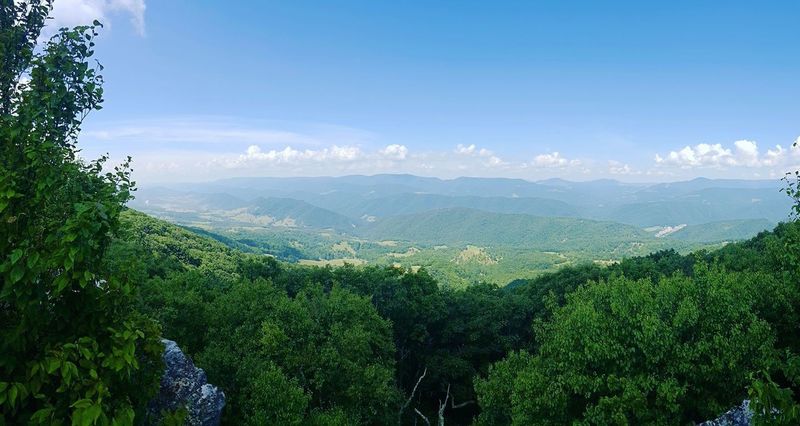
point(481, 325)
point(463, 226)
point(220, 209)
point(703, 206)
point(416, 222)
point(724, 231)
point(409, 203)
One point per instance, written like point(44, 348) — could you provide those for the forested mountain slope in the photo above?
point(410, 203)
point(449, 226)
point(242, 317)
point(351, 202)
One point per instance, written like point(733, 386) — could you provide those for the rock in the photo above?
point(185, 386)
point(738, 416)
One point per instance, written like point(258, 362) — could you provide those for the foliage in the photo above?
point(792, 189)
point(280, 358)
point(598, 357)
point(219, 301)
point(71, 346)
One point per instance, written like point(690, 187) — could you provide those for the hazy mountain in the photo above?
point(175, 200)
point(705, 205)
point(296, 213)
point(463, 226)
point(409, 203)
point(722, 231)
point(343, 203)
point(663, 191)
point(191, 207)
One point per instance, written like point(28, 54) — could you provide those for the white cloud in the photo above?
point(71, 13)
point(774, 157)
point(554, 160)
point(699, 155)
point(618, 168)
point(394, 152)
point(490, 159)
point(472, 150)
point(550, 160)
point(744, 153)
point(291, 155)
point(206, 148)
point(494, 161)
point(747, 152)
point(465, 150)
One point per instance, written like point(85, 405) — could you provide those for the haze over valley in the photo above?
point(519, 228)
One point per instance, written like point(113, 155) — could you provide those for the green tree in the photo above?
point(633, 351)
point(338, 348)
point(274, 399)
point(323, 355)
point(71, 346)
point(792, 189)
point(775, 393)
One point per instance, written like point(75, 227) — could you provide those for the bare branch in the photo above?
point(442, 406)
point(453, 404)
point(423, 417)
point(410, 397)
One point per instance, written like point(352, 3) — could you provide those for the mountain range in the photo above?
point(349, 201)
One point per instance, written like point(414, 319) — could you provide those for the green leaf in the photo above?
point(15, 256)
point(93, 413)
point(82, 403)
point(17, 273)
point(52, 365)
point(12, 394)
point(42, 415)
point(86, 353)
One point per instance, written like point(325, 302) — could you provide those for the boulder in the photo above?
point(737, 416)
point(185, 386)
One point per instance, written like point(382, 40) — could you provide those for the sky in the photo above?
point(629, 90)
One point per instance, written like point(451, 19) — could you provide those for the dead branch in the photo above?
point(454, 406)
point(423, 417)
point(442, 406)
point(410, 397)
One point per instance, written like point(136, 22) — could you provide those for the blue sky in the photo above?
point(637, 91)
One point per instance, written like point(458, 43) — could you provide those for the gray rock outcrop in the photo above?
point(185, 386)
point(737, 416)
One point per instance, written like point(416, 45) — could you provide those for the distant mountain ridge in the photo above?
point(361, 204)
point(462, 226)
point(269, 211)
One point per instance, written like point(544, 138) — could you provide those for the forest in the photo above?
point(88, 287)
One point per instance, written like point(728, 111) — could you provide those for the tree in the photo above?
point(338, 348)
point(774, 394)
point(634, 351)
point(71, 346)
point(324, 355)
point(792, 189)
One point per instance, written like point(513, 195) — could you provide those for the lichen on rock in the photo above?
point(737, 416)
point(184, 386)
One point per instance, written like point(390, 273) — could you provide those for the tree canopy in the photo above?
point(71, 346)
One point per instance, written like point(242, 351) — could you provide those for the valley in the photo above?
point(466, 230)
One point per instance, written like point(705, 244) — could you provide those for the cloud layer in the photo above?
point(743, 153)
point(212, 147)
